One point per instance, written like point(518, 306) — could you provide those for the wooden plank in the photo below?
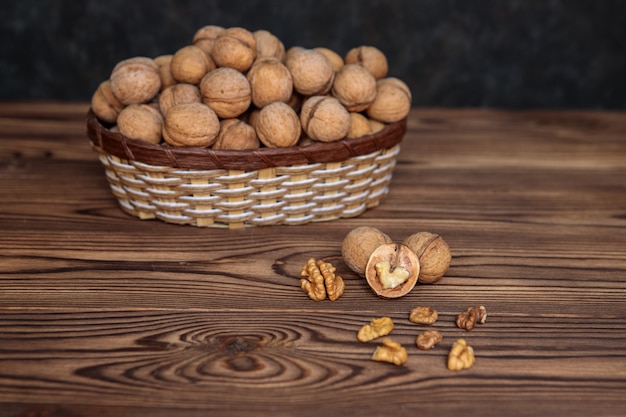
point(104, 314)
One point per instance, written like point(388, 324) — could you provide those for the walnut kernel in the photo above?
point(461, 356)
point(428, 339)
point(390, 351)
point(423, 315)
point(321, 280)
point(472, 316)
point(376, 328)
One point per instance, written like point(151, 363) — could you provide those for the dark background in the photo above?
point(452, 53)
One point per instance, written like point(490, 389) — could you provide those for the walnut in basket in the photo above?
point(268, 44)
point(135, 80)
point(163, 62)
point(226, 91)
point(235, 134)
point(204, 38)
point(190, 63)
point(104, 104)
point(142, 122)
point(312, 72)
point(180, 93)
point(191, 124)
point(359, 126)
point(277, 125)
point(235, 47)
point(325, 119)
point(392, 102)
point(270, 81)
point(354, 87)
point(369, 57)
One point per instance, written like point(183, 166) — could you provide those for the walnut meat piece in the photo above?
point(428, 339)
point(390, 351)
point(135, 80)
point(376, 328)
point(461, 356)
point(392, 270)
point(321, 281)
point(472, 316)
point(423, 315)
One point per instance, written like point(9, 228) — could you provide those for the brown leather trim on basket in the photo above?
point(204, 158)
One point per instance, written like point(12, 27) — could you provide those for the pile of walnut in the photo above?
point(236, 89)
point(393, 269)
point(461, 355)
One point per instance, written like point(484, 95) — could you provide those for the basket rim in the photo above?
point(114, 143)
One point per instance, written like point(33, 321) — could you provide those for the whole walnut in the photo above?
point(204, 38)
point(433, 253)
point(142, 122)
point(359, 126)
point(369, 57)
point(191, 124)
point(235, 134)
point(180, 93)
point(277, 125)
point(323, 118)
point(375, 125)
point(332, 56)
point(234, 48)
point(104, 104)
point(227, 91)
point(354, 87)
point(190, 63)
point(135, 80)
point(270, 81)
point(359, 244)
point(312, 72)
point(392, 102)
point(164, 61)
point(268, 44)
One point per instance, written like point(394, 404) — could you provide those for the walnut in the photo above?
point(376, 328)
point(324, 119)
point(190, 63)
point(359, 244)
point(370, 57)
point(390, 351)
point(433, 253)
point(235, 48)
point(321, 280)
point(104, 104)
point(392, 102)
point(392, 270)
point(461, 356)
point(270, 81)
point(204, 38)
point(312, 72)
point(164, 62)
point(142, 122)
point(375, 125)
point(226, 91)
point(181, 93)
point(277, 125)
point(359, 126)
point(236, 134)
point(428, 339)
point(135, 80)
point(469, 318)
point(335, 59)
point(268, 44)
point(354, 87)
point(423, 315)
point(191, 124)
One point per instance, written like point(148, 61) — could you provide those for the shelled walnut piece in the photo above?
point(321, 280)
point(423, 315)
point(461, 356)
point(472, 316)
point(428, 339)
point(390, 351)
point(376, 328)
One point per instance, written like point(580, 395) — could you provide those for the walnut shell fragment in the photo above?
point(392, 270)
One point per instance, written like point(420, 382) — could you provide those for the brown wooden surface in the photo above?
point(102, 314)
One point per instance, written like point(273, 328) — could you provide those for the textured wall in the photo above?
point(498, 53)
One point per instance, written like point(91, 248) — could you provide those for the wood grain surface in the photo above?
point(102, 314)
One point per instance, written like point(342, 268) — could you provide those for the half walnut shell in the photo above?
point(392, 270)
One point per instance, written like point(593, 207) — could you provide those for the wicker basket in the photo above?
point(269, 186)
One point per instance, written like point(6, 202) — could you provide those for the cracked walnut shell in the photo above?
point(321, 281)
point(392, 270)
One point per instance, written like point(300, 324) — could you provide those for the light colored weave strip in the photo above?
point(223, 198)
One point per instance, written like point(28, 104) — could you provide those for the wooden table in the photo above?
point(102, 314)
